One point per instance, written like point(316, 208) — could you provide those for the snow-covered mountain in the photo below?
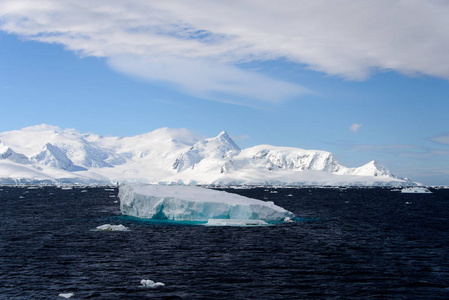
point(9, 154)
point(220, 147)
point(46, 153)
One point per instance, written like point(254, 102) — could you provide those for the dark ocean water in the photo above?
point(347, 244)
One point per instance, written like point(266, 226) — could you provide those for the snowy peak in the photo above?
point(54, 157)
point(9, 154)
point(221, 146)
point(225, 139)
point(373, 168)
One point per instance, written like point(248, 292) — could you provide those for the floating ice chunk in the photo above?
point(235, 222)
point(288, 220)
point(66, 295)
point(150, 283)
point(190, 203)
point(109, 227)
point(415, 190)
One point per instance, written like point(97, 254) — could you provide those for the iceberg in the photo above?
point(415, 190)
point(66, 295)
point(151, 284)
point(193, 203)
point(109, 227)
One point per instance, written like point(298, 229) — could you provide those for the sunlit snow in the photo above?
point(47, 154)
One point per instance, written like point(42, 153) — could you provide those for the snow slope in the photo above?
point(9, 154)
point(47, 153)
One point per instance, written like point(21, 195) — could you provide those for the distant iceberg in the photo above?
point(191, 203)
point(151, 284)
point(109, 227)
point(415, 190)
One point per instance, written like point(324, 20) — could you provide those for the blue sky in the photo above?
point(364, 80)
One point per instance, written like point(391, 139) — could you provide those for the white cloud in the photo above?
point(208, 79)
point(383, 148)
point(239, 137)
point(441, 139)
point(413, 151)
point(426, 154)
point(347, 38)
point(355, 127)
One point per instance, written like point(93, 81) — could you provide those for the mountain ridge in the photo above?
point(173, 156)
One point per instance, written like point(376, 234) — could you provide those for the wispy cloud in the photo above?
point(426, 154)
point(208, 79)
point(441, 139)
point(355, 127)
point(239, 137)
point(411, 151)
point(347, 38)
point(383, 148)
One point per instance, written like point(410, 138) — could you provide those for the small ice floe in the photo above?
point(84, 191)
point(66, 295)
point(289, 195)
point(288, 220)
point(235, 222)
point(116, 201)
point(415, 190)
point(408, 202)
point(150, 283)
point(109, 227)
point(274, 192)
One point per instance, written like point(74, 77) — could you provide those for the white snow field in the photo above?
point(191, 203)
point(47, 154)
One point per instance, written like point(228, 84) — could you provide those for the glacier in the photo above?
point(192, 203)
